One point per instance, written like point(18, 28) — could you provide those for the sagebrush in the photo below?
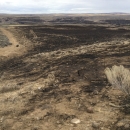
point(119, 77)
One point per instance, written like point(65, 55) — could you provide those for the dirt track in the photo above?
point(11, 50)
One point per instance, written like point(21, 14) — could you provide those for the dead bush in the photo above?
point(51, 80)
point(8, 88)
point(119, 77)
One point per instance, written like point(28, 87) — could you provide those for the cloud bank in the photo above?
point(63, 6)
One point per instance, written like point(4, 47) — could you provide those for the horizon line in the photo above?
point(63, 13)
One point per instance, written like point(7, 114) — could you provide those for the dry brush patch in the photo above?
point(119, 77)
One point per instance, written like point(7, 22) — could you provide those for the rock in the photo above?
point(95, 124)
point(58, 122)
point(87, 128)
point(59, 125)
point(120, 124)
point(127, 126)
point(35, 128)
point(37, 118)
point(107, 87)
point(95, 92)
point(72, 125)
point(17, 45)
point(123, 124)
point(75, 121)
point(2, 118)
point(39, 88)
point(90, 110)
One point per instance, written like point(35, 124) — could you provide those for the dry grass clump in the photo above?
point(8, 88)
point(51, 80)
point(119, 77)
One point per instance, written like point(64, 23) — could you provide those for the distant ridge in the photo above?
point(65, 13)
point(118, 13)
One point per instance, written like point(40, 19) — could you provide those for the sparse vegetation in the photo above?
point(119, 77)
point(56, 78)
point(8, 88)
point(4, 41)
point(51, 80)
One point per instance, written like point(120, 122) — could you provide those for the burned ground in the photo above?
point(52, 38)
point(61, 77)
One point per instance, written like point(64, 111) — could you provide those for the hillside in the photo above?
point(53, 73)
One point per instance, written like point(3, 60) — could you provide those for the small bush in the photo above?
point(51, 80)
point(119, 77)
point(8, 88)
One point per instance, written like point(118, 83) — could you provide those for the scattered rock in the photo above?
point(95, 125)
point(82, 72)
point(72, 125)
point(87, 128)
point(75, 121)
point(90, 110)
point(127, 126)
point(59, 125)
point(95, 92)
point(39, 88)
point(2, 118)
point(107, 87)
point(17, 45)
point(120, 124)
point(35, 128)
point(123, 124)
point(58, 122)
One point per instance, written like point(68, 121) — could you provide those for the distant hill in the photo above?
point(84, 18)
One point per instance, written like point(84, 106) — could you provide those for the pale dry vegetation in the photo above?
point(119, 77)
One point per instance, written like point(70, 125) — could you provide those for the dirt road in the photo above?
point(11, 50)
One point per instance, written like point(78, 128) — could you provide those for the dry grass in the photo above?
point(119, 77)
point(8, 88)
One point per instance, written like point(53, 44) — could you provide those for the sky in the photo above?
point(63, 6)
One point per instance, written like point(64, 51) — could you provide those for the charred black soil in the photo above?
point(50, 38)
point(61, 77)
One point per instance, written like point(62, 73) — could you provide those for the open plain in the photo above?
point(52, 71)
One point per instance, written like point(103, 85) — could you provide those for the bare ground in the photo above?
point(47, 86)
point(14, 49)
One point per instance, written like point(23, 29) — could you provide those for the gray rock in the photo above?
point(123, 124)
point(95, 124)
point(127, 126)
point(75, 121)
point(95, 92)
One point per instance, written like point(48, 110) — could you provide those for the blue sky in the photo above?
point(63, 6)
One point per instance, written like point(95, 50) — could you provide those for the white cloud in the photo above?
point(63, 6)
